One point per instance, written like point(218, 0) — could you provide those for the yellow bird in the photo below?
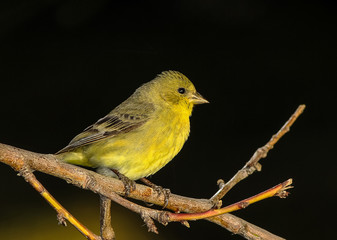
point(143, 133)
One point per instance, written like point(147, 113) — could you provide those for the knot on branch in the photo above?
point(163, 217)
point(254, 167)
point(260, 153)
point(242, 230)
point(25, 172)
point(243, 204)
point(89, 182)
point(149, 222)
point(61, 219)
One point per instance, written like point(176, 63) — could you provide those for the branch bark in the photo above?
point(109, 187)
point(107, 232)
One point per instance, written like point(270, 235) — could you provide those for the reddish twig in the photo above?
point(278, 190)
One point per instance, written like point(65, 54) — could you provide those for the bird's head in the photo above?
point(176, 90)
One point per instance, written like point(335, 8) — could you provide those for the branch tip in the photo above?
point(282, 193)
point(185, 223)
point(220, 183)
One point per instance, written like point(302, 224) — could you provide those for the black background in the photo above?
point(64, 64)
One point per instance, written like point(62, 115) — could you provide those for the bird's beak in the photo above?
point(196, 98)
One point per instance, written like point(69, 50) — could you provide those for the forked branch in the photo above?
point(109, 188)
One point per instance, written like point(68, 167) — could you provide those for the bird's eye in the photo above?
point(181, 90)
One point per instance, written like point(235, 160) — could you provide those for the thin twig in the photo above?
point(253, 164)
point(278, 190)
point(62, 213)
point(107, 232)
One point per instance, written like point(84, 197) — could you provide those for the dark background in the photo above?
point(64, 64)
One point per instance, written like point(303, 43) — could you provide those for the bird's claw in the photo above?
point(167, 194)
point(159, 190)
point(165, 191)
point(129, 185)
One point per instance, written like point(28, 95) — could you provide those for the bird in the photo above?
point(142, 134)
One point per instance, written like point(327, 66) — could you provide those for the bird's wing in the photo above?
point(109, 126)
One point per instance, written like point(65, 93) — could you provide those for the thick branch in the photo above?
point(107, 186)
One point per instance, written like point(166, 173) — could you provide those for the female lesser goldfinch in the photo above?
point(142, 134)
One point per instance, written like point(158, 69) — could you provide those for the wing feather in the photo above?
point(109, 126)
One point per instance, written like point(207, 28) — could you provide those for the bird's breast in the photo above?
point(165, 140)
point(143, 152)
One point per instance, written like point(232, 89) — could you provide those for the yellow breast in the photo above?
point(144, 151)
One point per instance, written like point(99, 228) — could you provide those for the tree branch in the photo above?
point(109, 188)
point(62, 213)
point(107, 232)
point(253, 164)
point(279, 190)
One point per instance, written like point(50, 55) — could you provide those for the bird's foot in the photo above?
point(159, 190)
point(129, 185)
